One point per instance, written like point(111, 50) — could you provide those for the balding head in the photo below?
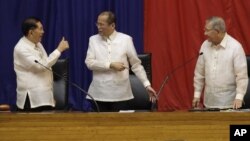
point(217, 23)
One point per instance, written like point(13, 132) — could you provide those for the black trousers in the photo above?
point(27, 107)
point(110, 106)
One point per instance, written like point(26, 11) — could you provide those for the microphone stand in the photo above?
point(75, 85)
point(167, 77)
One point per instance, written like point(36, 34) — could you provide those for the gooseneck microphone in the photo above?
point(167, 77)
point(73, 84)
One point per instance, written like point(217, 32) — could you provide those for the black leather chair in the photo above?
point(60, 85)
point(141, 98)
point(246, 103)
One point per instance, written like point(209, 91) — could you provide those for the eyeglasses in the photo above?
point(208, 30)
point(101, 24)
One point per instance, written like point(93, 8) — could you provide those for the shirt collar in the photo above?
point(26, 40)
point(224, 41)
point(111, 37)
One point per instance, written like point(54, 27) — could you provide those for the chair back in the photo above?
point(146, 63)
point(141, 98)
point(60, 85)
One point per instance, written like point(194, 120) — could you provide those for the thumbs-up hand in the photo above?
point(63, 45)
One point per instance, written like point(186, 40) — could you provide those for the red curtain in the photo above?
point(173, 33)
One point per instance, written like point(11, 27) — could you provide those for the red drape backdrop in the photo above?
point(173, 33)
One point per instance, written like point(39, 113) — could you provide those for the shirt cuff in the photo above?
point(57, 52)
point(239, 96)
point(146, 83)
point(197, 94)
point(107, 65)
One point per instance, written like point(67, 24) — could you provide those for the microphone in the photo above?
point(73, 84)
point(167, 77)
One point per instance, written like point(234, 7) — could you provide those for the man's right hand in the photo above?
point(118, 66)
point(196, 102)
point(63, 45)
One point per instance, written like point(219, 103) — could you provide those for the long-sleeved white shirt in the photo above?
point(107, 84)
point(222, 70)
point(32, 78)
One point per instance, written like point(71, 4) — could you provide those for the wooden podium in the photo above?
point(138, 126)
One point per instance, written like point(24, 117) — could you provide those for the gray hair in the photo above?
point(217, 23)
